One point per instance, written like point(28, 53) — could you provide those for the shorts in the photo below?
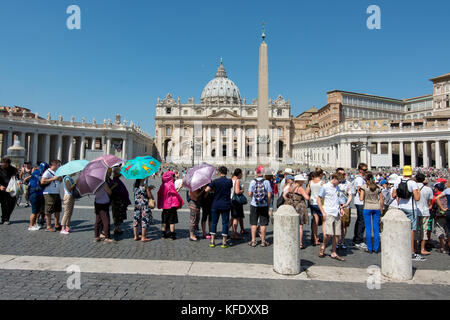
point(423, 228)
point(345, 220)
point(101, 207)
point(315, 210)
point(440, 228)
point(412, 215)
point(259, 212)
point(430, 224)
point(237, 211)
point(52, 203)
point(332, 225)
point(37, 203)
point(169, 216)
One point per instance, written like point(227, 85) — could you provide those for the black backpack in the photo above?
point(402, 190)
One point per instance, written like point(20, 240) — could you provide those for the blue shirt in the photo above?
point(222, 193)
point(252, 188)
point(33, 185)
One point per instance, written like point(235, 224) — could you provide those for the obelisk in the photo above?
point(263, 105)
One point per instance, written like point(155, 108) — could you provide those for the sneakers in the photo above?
point(361, 245)
point(33, 228)
point(64, 231)
point(6, 222)
point(418, 257)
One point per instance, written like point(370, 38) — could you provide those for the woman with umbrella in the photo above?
point(102, 201)
point(142, 213)
point(120, 200)
point(169, 201)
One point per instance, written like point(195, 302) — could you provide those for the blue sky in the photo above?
point(128, 53)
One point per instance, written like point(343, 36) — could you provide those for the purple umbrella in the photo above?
point(110, 160)
point(199, 176)
point(92, 177)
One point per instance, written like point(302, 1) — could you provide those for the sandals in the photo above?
point(322, 252)
point(336, 257)
point(190, 239)
point(212, 245)
point(302, 246)
point(96, 239)
point(265, 244)
point(252, 244)
point(106, 240)
point(224, 246)
point(146, 240)
point(50, 230)
point(443, 251)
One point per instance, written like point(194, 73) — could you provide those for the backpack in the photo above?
point(402, 190)
point(260, 191)
point(76, 194)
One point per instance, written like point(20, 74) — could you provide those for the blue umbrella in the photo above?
point(71, 168)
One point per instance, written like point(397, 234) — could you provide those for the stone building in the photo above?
point(381, 131)
point(46, 139)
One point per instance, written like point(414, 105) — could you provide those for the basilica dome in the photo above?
point(221, 89)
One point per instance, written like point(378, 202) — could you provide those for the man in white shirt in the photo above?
point(407, 203)
point(52, 195)
point(358, 236)
point(424, 204)
point(330, 212)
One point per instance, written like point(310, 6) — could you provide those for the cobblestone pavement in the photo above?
point(15, 239)
point(37, 285)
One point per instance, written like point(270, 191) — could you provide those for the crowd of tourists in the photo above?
point(322, 199)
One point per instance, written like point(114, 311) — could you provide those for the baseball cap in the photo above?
point(288, 170)
point(407, 171)
point(289, 177)
point(383, 182)
point(441, 180)
point(260, 169)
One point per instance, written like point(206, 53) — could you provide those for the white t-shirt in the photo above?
point(426, 194)
point(315, 189)
point(331, 203)
point(407, 204)
point(359, 182)
point(53, 187)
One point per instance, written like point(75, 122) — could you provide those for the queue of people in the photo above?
point(328, 197)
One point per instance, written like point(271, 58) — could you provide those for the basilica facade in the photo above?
point(222, 128)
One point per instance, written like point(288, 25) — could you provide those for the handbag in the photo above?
point(240, 199)
point(151, 203)
point(13, 187)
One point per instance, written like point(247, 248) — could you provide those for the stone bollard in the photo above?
point(286, 251)
point(396, 262)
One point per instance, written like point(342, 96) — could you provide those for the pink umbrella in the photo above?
point(199, 176)
point(110, 160)
point(92, 177)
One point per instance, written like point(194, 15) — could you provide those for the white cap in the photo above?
point(288, 170)
point(300, 177)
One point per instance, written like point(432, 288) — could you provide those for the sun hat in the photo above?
point(393, 178)
point(300, 177)
point(288, 170)
point(407, 171)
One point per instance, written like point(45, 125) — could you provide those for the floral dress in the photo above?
point(142, 212)
point(298, 202)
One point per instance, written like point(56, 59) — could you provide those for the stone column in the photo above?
point(47, 149)
point(390, 152)
point(448, 153)
point(93, 143)
point(124, 148)
point(70, 155)
point(176, 142)
point(255, 148)
point(402, 154)
point(22, 138)
point(82, 144)
point(34, 149)
point(239, 143)
point(286, 249)
point(426, 161)
point(10, 139)
point(209, 145)
point(438, 157)
point(108, 145)
point(218, 145)
point(396, 260)
point(369, 156)
point(230, 144)
point(59, 147)
point(413, 155)
point(378, 148)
